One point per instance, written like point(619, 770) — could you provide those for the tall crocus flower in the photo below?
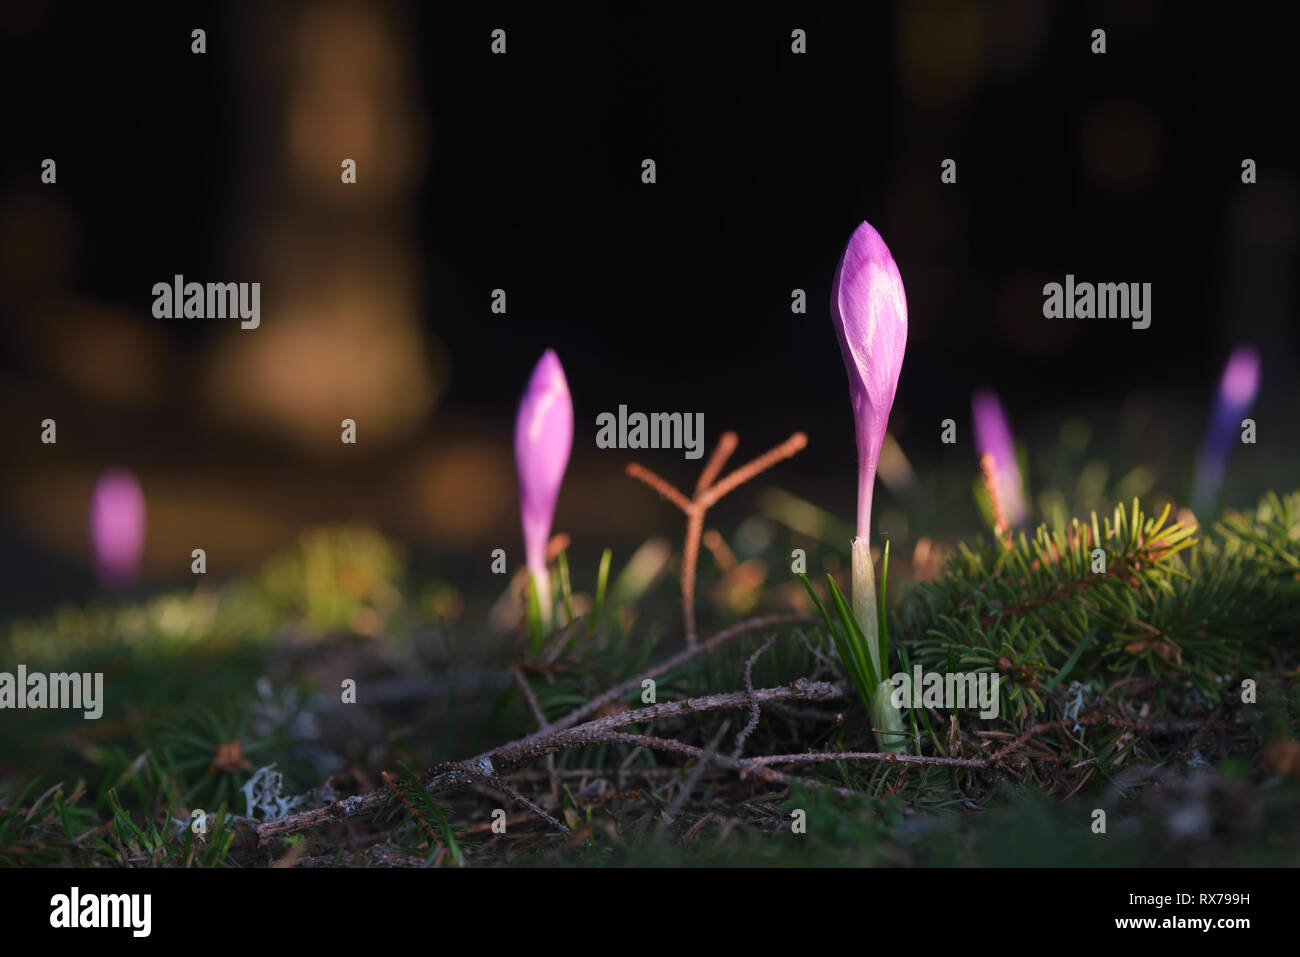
point(993, 437)
point(869, 311)
point(543, 440)
point(117, 527)
point(1237, 390)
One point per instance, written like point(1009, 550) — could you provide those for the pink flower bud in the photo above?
point(870, 315)
point(543, 440)
point(993, 435)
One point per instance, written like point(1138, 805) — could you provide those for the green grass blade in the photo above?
point(855, 643)
point(602, 582)
point(566, 587)
point(812, 593)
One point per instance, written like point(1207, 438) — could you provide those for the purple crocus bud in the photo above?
point(870, 315)
point(993, 437)
point(543, 440)
point(117, 527)
point(1237, 391)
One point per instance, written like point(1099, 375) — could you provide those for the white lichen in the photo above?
point(352, 804)
point(1076, 702)
point(262, 795)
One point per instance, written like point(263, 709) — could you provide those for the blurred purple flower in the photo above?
point(993, 435)
point(543, 440)
point(869, 310)
point(117, 527)
point(1237, 390)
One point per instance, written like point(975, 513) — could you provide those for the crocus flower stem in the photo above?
point(541, 581)
point(864, 599)
point(885, 718)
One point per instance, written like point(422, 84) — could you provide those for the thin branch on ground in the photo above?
point(754, 712)
point(819, 757)
point(676, 661)
point(492, 764)
point(693, 778)
point(496, 784)
point(746, 767)
point(542, 723)
point(1086, 720)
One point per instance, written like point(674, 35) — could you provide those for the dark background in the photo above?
point(673, 296)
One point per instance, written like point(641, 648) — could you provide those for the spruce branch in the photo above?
point(1167, 604)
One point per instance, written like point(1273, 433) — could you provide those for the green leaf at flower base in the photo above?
point(816, 599)
point(566, 588)
point(852, 661)
point(602, 582)
point(854, 648)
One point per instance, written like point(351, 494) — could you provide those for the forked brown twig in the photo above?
point(708, 489)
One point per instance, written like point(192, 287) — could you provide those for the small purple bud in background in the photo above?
point(117, 527)
point(1237, 391)
point(543, 440)
point(869, 311)
point(993, 436)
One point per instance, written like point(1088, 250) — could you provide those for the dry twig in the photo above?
point(754, 712)
point(707, 493)
point(489, 766)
